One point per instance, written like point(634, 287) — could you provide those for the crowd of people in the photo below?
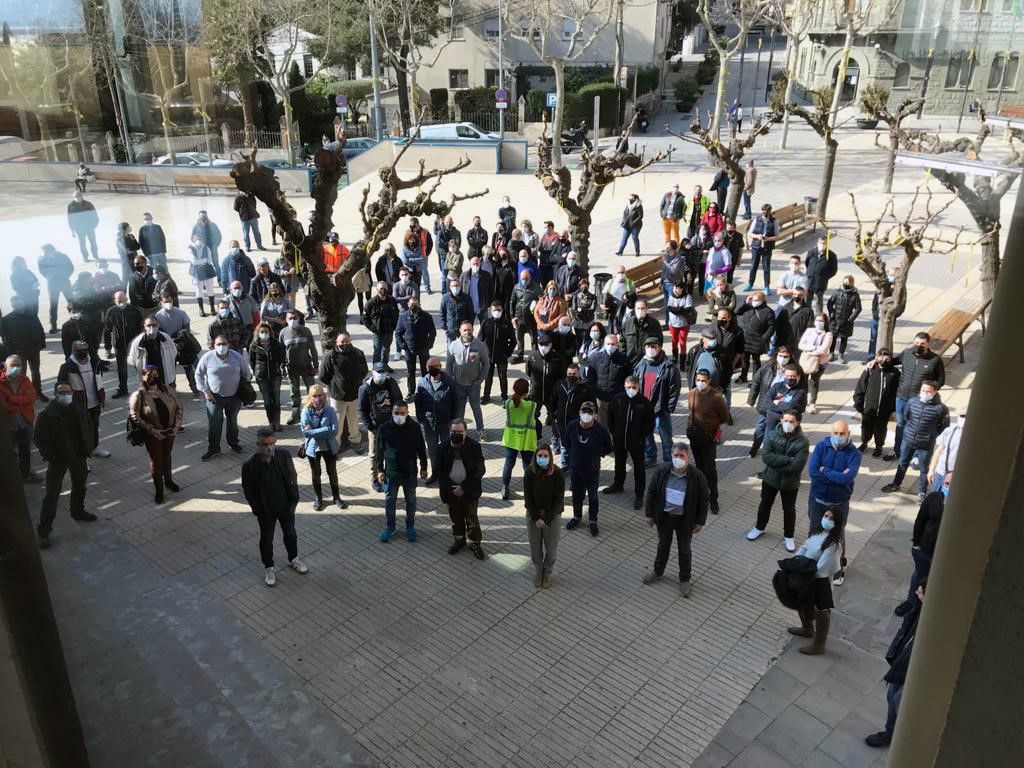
point(604, 372)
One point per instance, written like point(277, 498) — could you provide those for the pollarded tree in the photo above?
point(598, 171)
point(794, 19)
point(330, 295)
point(874, 100)
point(908, 233)
point(819, 118)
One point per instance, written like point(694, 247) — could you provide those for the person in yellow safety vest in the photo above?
point(614, 293)
point(520, 435)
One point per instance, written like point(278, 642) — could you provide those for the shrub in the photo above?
point(439, 101)
point(646, 80)
point(577, 78)
point(686, 89)
point(478, 99)
point(581, 106)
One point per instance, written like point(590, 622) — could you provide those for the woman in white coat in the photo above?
point(203, 272)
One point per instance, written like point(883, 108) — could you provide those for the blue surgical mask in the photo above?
point(264, 337)
point(827, 524)
point(945, 490)
point(595, 335)
point(14, 370)
point(543, 461)
point(64, 399)
point(221, 349)
point(552, 293)
point(838, 442)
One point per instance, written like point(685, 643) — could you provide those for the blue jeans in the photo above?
point(253, 226)
point(408, 486)
point(382, 347)
point(901, 405)
point(924, 455)
point(760, 428)
point(663, 426)
point(468, 393)
point(746, 205)
point(873, 341)
point(816, 509)
point(584, 483)
point(422, 267)
point(893, 696)
point(628, 233)
point(215, 413)
point(510, 462)
point(727, 391)
point(270, 389)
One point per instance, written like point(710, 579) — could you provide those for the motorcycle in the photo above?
point(641, 119)
point(576, 138)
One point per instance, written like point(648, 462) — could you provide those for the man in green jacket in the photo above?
point(786, 449)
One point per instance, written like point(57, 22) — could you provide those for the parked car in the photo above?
point(192, 159)
point(356, 146)
point(456, 132)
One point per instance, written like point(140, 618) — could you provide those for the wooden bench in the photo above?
point(647, 279)
point(949, 329)
point(1012, 111)
point(792, 220)
point(205, 182)
point(114, 179)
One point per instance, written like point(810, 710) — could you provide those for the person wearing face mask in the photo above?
point(731, 345)
point(259, 286)
point(343, 370)
point(707, 414)
point(476, 284)
point(389, 266)
point(607, 369)
point(822, 545)
point(814, 355)
point(786, 450)
point(790, 394)
point(23, 335)
point(614, 295)
point(672, 210)
point(591, 340)
point(414, 338)
point(568, 276)
point(319, 426)
point(152, 348)
point(448, 239)
point(227, 325)
point(419, 246)
point(507, 214)
point(56, 268)
point(564, 339)
point(545, 367)
point(300, 357)
point(154, 408)
point(377, 399)
point(792, 280)
point(271, 489)
point(924, 539)
point(924, 418)
point(525, 296)
point(380, 317)
point(82, 221)
point(631, 224)
point(822, 265)
point(570, 393)
point(399, 444)
point(211, 236)
point(833, 469)
point(266, 359)
point(917, 364)
point(405, 289)
point(290, 278)
point(843, 307)
point(759, 394)
point(721, 296)
point(175, 323)
point(435, 408)
point(84, 372)
point(467, 364)
point(588, 441)
point(453, 264)
point(699, 204)
point(677, 505)
point(64, 438)
point(544, 496)
point(944, 454)
point(763, 234)
point(519, 438)
point(219, 376)
point(152, 241)
point(758, 323)
point(875, 399)
point(244, 307)
point(127, 249)
point(736, 244)
point(562, 250)
point(705, 356)
point(632, 424)
point(720, 186)
point(660, 383)
point(245, 207)
point(517, 244)
point(639, 326)
point(80, 326)
point(498, 336)
point(165, 286)
point(141, 285)
point(456, 308)
point(123, 323)
point(719, 261)
point(500, 237)
point(476, 238)
point(203, 271)
point(17, 398)
point(583, 306)
point(505, 271)
point(274, 309)
point(793, 320)
point(460, 470)
point(238, 266)
point(550, 309)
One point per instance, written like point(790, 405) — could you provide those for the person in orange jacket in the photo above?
point(334, 253)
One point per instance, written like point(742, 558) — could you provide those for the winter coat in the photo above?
point(476, 239)
point(20, 400)
point(342, 372)
point(791, 324)
point(140, 289)
point(586, 456)
point(415, 333)
point(259, 286)
point(23, 334)
point(63, 434)
point(522, 297)
point(543, 493)
point(758, 324)
point(606, 374)
point(252, 488)
point(82, 216)
point(926, 525)
point(782, 398)
point(398, 447)
point(435, 407)
point(568, 401)
point(152, 239)
point(875, 394)
point(718, 370)
point(84, 329)
point(145, 412)
point(319, 430)
point(24, 283)
point(69, 373)
point(833, 471)
point(425, 240)
point(122, 325)
point(715, 221)
point(632, 217)
point(504, 283)
point(759, 394)
point(568, 278)
point(300, 353)
point(245, 207)
point(821, 267)
point(784, 457)
point(843, 308)
point(695, 503)
point(376, 401)
point(266, 359)
point(635, 332)
point(211, 235)
point(380, 315)
point(584, 310)
point(901, 648)
point(507, 216)
point(472, 459)
point(499, 337)
point(56, 268)
point(544, 373)
point(454, 310)
point(548, 312)
point(484, 288)
point(664, 391)
point(444, 236)
point(922, 422)
point(730, 343)
point(672, 209)
point(387, 268)
point(631, 420)
point(915, 370)
point(137, 356)
point(237, 266)
point(716, 301)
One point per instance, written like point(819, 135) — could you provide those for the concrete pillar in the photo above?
point(965, 691)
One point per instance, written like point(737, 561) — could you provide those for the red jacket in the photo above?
point(22, 401)
point(715, 221)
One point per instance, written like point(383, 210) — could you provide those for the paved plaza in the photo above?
point(400, 655)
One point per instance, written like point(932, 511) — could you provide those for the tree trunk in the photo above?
point(289, 153)
point(841, 76)
point(827, 171)
point(556, 121)
point(619, 43)
point(402, 82)
point(579, 232)
point(723, 77)
point(245, 99)
point(890, 166)
point(990, 264)
point(732, 199)
point(790, 74)
point(414, 93)
point(887, 315)
point(166, 119)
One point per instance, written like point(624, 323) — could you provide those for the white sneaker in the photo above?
point(298, 566)
point(269, 578)
point(102, 453)
point(754, 534)
point(790, 545)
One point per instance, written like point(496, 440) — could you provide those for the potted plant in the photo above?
point(867, 123)
point(686, 90)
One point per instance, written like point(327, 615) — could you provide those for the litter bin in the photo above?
point(810, 204)
point(600, 281)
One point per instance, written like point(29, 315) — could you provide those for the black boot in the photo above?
point(756, 446)
point(213, 307)
point(202, 310)
point(897, 482)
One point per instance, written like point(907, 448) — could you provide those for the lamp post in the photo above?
point(971, 58)
point(501, 71)
point(375, 66)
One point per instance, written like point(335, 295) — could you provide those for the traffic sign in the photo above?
point(501, 94)
point(341, 100)
point(552, 100)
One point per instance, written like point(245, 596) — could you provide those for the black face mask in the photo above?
point(723, 323)
point(791, 383)
point(920, 351)
point(458, 438)
point(434, 372)
point(572, 379)
point(82, 356)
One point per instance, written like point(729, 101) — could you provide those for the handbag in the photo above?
point(134, 432)
point(810, 362)
point(246, 393)
point(205, 271)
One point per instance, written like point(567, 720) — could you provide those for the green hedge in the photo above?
point(478, 99)
point(647, 80)
point(439, 101)
point(613, 104)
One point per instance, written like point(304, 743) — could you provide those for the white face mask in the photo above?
point(620, 277)
point(151, 331)
point(701, 386)
point(926, 397)
point(496, 314)
point(378, 377)
point(678, 462)
point(611, 349)
point(121, 304)
point(456, 290)
point(264, 337)
point(293, 323)
point(168, 306)
point(789, 427)
point(76, 315)
point(236, 292)
point(399, 419)
point(794, 268)
point(405, 279)
point(757, 304)
point(221, 349)
point(544, 348)
point(631, 392)
point(783, 360)
point(640, 313)
point(570, 262)
point(586, 418)
point(650, 353)
point(819, 325)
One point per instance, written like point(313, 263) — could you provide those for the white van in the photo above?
point(455, 132)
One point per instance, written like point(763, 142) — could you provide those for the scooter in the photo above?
point(576, 138)
point(641, 119)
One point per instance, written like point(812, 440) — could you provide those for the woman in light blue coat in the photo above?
point(319, 426)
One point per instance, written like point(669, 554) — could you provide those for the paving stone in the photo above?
point(794, 733)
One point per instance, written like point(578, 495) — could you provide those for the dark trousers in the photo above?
point(874, 426)
point(678, 527)
point(159, 459)
point(121, 360)
point(843, 341)
point(268, 522)
point(94, 420)
point(922, 567)
point(270, 391)
point(705, 452)
point(215, 412)
point(23, 444)
point(465, 522)
point(762, 256)
point(433, 440)
point(584, 483)
point(893, 697)
point(296, 380)
point(83, 235)
point(55, 471)
point(331, 461)
point(522, 329)
point(816, 296)
point(635, 452)
point(751, 360)
point(510, 461)
point(764, 509)
point(55, 290)
point(411, 358)
point(32, 361)
point(547, 404)
point(408, 488)
point(382, 347)
point(502, 368)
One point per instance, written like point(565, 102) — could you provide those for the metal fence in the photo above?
point(488, 120)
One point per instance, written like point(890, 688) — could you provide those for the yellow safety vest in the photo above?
point(520, 426)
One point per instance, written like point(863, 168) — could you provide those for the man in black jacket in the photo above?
point(875, 399)
point(123, 323)
point(638, 327)
point(378, 397)
point(476, 239)
point(606, 374)
point(478, 286)
point(142, 286)
point(632, 418)
point(23, 335)
point(677, 503)
point(380, 317)
point(82, 221)
point(917, 364)
point(460, 470)
point(259, 286)
point(153, 242)
point(570, 394)
point(272, 491)
point(822, 265)
point(898, 657)
point(63, 435)
point(80, 327)
point(499, 337)
point(414, 337)
point(245, 207)
point(399, 445)
point(57, 269)
point(731, 343)
point(923, 541)
point(545, 368)
point(342, 371)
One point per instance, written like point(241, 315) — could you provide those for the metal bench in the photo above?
point(114, 179)
point(948, 331)
point(205, 182)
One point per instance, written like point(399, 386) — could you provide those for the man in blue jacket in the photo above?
point(414, 337)
point(833, 468)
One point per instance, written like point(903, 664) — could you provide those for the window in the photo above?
point(1003, 75)
point(568, 29)
point(307, 64)
point(458, 78)
point(491, 29)
point(1008, 6)
point(902, 76)
point(960, 71)
point(465, 132)
point(973, 5)
point(491, 78)
point(458, 28)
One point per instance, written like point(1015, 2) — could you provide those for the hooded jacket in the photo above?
point(18, 400)
point(758, 324)
point(844, 306)
point(660, 382)
point(875, 393)
point(376, 401)
point(784, 457)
